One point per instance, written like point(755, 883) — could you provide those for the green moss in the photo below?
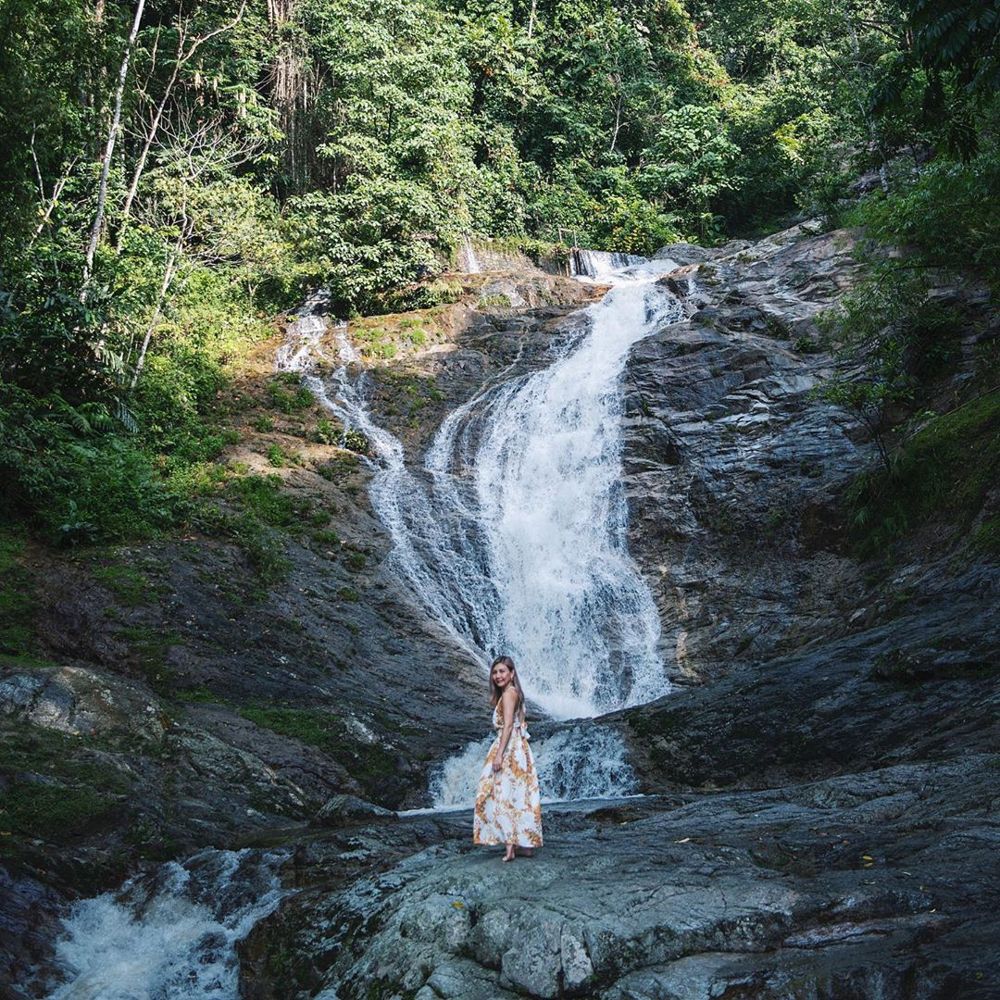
point(127, 584)
point(263, 423)
point(148, 648)
point(55, 788)
point(498, 301)
point(349, 594)
point(369, 763)
point(986, 537)
point(25, 661)
point(51, 811)
point(17, 601)
point(944, 472)
point(199, 695)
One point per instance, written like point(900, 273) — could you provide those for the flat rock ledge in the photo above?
point(880, 884)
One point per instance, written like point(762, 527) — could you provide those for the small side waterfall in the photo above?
point(467, 259)
point(601, 266)
point(169, 934)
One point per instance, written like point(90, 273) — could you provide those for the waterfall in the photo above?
point(601, 266)
point(572, 604)
point(467, 259)
point(582, 762)
point(513, 534)
point(169, 934)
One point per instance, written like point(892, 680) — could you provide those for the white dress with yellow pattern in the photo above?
point(508, 809)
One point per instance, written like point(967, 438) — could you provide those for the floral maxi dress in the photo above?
point(508, 810)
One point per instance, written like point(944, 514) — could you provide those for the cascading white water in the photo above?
point(513, 536)
point(468, 261)
point(572, 604)
point(601, 266)
point(582, 762)
point(170, 934)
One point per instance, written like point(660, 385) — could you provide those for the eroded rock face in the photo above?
point(814, 824)
point(78, 701)
point(734, 469)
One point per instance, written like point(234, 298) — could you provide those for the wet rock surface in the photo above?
point(837, 886)
point(734, 470)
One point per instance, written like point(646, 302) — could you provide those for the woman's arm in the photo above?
point(509, 707)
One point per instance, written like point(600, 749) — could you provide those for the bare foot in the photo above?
point(509, 856)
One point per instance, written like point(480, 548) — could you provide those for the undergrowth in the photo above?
point(945, 470)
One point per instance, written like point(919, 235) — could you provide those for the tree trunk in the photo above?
point(292, 97)
point(168, 277)
point(109, 149)
point(183, 57)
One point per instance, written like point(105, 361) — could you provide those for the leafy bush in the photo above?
point(946, 469)
point(947, 217)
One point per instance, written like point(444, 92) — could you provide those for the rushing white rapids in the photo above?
point(582, 762)
point(573, 606)
point(170, 934)
point(513, 536)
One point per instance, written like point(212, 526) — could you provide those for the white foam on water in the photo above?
point(170, 935)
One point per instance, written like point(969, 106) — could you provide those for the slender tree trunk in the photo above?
point(57, 190)
point(109, 149)
point(168, 277)
point(181, 60)
point(292, 96)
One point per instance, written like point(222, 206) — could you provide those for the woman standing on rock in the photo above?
point(508, 810)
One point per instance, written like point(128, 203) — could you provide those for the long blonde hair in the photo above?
point(496, 693)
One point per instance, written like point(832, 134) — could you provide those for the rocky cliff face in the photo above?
point(818, 816)
point(734, 470)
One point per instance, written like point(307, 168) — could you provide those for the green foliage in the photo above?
point(898, 337)
point(286, 393)
point(356, 441)
point(693, 160)
point(946, 470)
point(17, 602)
point(952, 63)
point(947, 217)
point(352, 145)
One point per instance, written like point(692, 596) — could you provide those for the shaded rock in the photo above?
point(29, 913)
point(684, 253)
point(802, 886)
point(734, 469)
point(342, 809)
point(80, 701)
point(830, 706)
